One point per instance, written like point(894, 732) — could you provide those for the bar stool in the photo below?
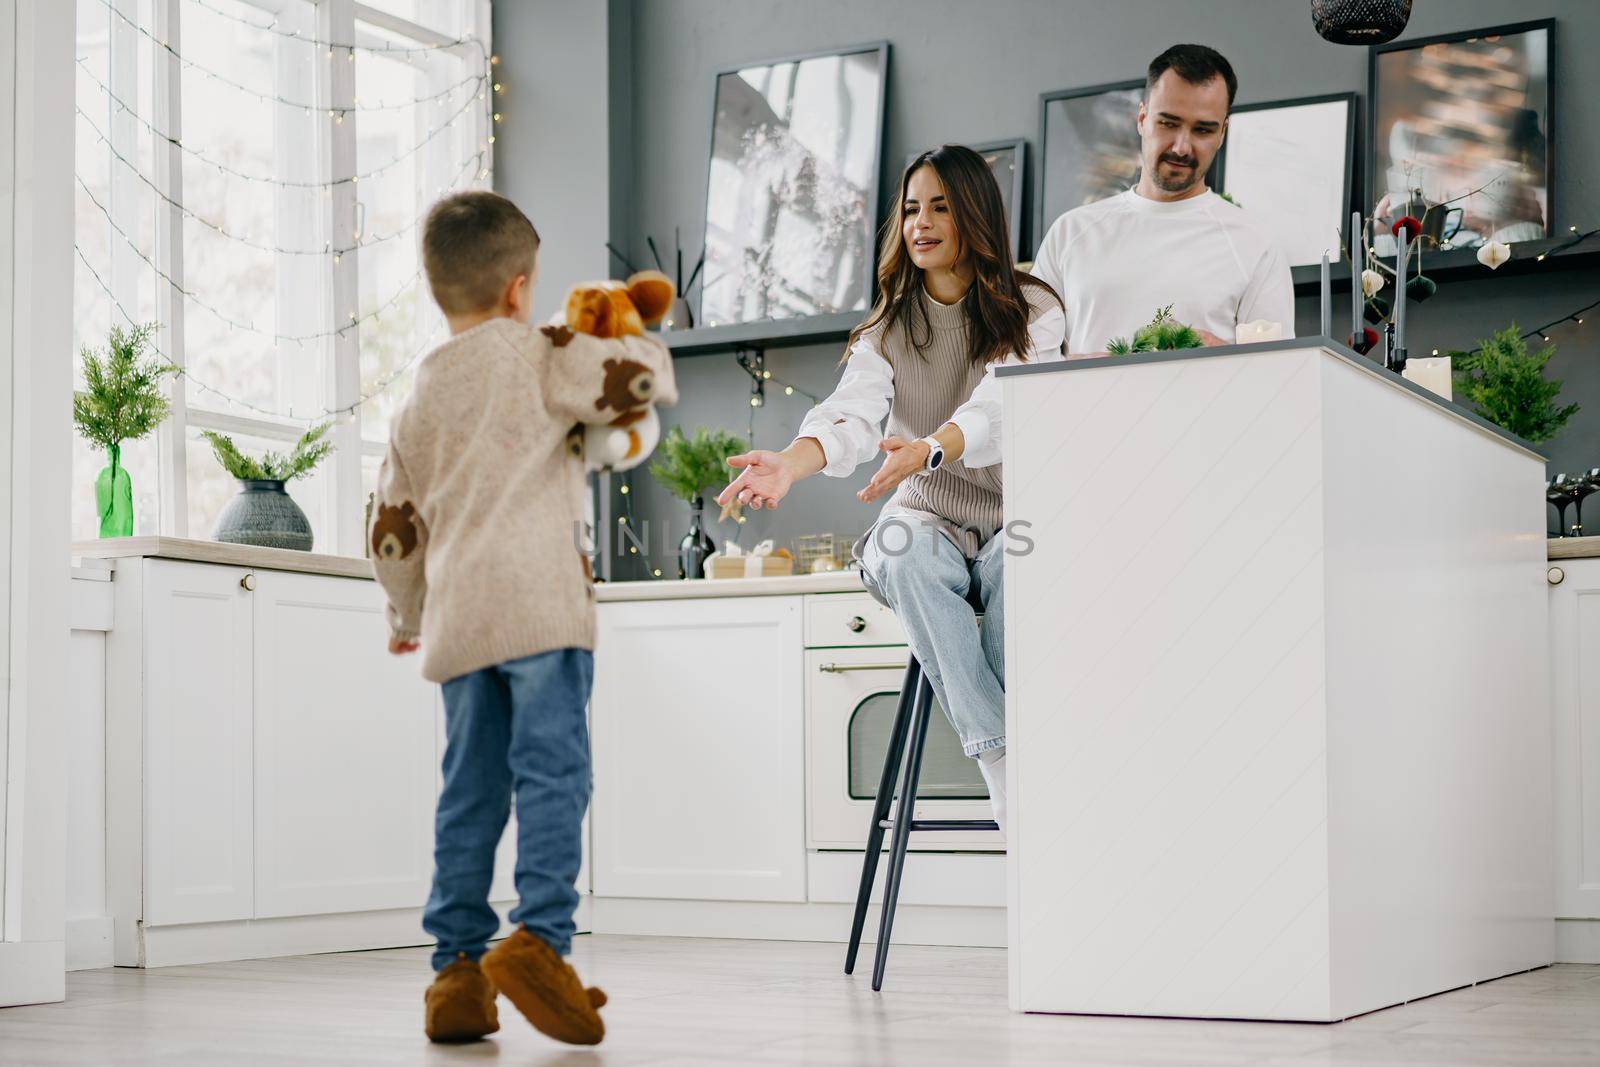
point(906, 740)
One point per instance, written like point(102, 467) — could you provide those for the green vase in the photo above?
point(113, 496)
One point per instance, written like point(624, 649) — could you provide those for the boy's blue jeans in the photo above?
point(516, 729)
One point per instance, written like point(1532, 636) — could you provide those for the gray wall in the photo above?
point(961, 71)
point(553, 147)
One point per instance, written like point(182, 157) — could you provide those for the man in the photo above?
point(1169, 240)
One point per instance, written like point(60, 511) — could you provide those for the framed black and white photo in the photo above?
point(1289, 164)
point(1088, 148)
point(1461, 134)
point(1008, 160)
point(792, 186)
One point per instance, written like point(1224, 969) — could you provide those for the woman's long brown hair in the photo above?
point(997, 311)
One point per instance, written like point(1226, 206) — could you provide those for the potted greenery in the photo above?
point(1505, 384)
point(687, 467)
point(122, 400)
point(1163, 332)
point(264, 513)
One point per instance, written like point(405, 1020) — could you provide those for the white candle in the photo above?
point(1400, 292)
point(1327, 299)
point(1432, 373)
point(1256, 330)
point(1356, 234)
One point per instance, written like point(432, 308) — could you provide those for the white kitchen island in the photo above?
point(1278, 688)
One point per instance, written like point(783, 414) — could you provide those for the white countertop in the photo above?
point(1574, 547)
point(282, 559)
point(687, 589)
point(272, 559)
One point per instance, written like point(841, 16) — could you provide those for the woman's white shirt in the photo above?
point(849, 423)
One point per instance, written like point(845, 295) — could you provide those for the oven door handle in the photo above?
point(840, 668)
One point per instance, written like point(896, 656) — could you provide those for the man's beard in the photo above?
point(1183, 181)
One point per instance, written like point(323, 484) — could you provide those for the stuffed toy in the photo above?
point(612, 309)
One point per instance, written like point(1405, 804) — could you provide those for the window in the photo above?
point(252, 175)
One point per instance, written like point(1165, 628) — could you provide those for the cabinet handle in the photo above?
point(840, 668)
point(248, 583)
point(856, 624)
point(1554, 575)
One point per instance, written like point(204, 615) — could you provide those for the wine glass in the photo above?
point(1555, 492)
point(1588, 483)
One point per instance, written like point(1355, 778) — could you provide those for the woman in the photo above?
point(952, 307)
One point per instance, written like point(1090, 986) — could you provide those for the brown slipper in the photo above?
point(545, 989)
point(460, 1004)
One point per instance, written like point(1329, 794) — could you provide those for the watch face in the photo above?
point(935, 457)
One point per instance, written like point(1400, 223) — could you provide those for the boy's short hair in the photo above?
point(472, 245)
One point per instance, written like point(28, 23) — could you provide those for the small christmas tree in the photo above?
point(1505, 384)
point(122, 400)
point(691, 465)
point(1163, 333)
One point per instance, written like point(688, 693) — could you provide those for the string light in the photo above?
point(296, 35)
point(181, 371)
point(1543, 332)
point(263, 97)
point(474, 84)
point(192, 298)
point(244, 176)
point(471, 163)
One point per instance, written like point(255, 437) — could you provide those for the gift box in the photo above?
point(773, 566)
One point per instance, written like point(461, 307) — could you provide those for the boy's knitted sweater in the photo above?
point(478, 525)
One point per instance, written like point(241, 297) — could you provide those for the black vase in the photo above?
point(696, 547)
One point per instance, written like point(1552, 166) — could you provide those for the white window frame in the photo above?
point(340, 358)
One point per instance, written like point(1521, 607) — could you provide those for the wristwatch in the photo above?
point(935, 451)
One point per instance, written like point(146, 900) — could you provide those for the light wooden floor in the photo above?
point(679, 1001)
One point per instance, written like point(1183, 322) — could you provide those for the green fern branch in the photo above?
point(122, 397)
point(688, 466)
point(308, 451)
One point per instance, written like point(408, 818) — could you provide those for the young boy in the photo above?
point(479, 504)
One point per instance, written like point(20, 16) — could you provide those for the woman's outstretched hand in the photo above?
point(904, 458)
point(764, 480)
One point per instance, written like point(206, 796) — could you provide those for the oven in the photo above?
point(855, 662)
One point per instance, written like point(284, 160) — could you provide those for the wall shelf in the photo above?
point(771, 333)
point(1460, 264)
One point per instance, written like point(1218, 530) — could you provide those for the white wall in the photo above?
point(36, 67)
point(88, 919)
point(8, 203)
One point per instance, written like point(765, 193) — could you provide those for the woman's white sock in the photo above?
point(994, 776)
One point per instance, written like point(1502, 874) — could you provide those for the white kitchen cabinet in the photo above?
point(198, 664)
point(1575, 697)
point(344, 752)
point(698, 750)
point(269, 766)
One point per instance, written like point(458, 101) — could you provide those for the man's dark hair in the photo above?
point(1195, 64)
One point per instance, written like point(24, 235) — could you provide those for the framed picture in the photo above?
point(1088, 148)
point(1461, 134)
point(1289, 164)
point(792, 186)
point(1008, 159)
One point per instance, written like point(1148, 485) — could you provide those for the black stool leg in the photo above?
point(905, 811)
point(880, 806)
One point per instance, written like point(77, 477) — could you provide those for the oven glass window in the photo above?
point(947, 773)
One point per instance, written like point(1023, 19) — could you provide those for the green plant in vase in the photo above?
point(687, 467)
point(1161, 334)
point(122, 400)
point(264, 513)
point(1505, 384)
